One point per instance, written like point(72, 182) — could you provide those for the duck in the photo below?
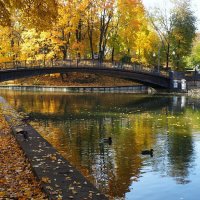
point(107, 140)
point(147, 152)
point(22, 132)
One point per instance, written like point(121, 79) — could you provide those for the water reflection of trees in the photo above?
point(74, 124)
point(113, 166)
point(77, 103)
point(175, 147)
point(180, 156)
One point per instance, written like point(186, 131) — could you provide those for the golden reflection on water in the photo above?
point(75, 124)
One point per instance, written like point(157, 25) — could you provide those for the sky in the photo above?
point(165, 3)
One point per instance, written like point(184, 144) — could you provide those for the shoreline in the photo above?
point(17, 179)
point(112, 89)
point(131, 89)
point(59, 179)
point(194, 93)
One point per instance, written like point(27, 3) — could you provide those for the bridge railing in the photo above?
point(116, 65)
point(80, 63)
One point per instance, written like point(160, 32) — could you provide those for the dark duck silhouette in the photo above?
point(107, 140)
point(147, 152)
point(23, 133)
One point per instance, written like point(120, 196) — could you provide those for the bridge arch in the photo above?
point(154, 80)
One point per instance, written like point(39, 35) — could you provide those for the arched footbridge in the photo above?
point(17, 70)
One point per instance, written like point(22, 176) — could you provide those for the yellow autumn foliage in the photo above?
point(69, 29)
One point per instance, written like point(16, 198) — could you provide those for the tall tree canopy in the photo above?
point(176, 29)
point(183, 32)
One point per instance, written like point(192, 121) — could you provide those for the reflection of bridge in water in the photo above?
point(138, 106)
point(173, 105)
point(12, 71)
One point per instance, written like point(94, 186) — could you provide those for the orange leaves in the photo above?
point(45, 180)
point(78, 47)
point(16, 178)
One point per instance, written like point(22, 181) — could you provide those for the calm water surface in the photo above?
point(76, 123)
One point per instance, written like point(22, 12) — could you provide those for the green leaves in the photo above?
point(183, 32)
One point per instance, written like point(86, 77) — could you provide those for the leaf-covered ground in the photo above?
point(16, 178)
point(72, 79)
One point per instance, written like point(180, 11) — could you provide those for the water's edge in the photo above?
point(113, 89)
point(55, 173)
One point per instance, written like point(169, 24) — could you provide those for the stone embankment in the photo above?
point(88, 89)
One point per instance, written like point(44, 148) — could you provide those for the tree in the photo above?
point(194, 58)
point(183, 32)
point(163, 24)
point(65, 27)
point(176, 29)
point(131, 19)
point(92, 21)
point(106, 13)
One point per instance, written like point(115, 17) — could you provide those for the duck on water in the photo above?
point(147, 152)
point(106, 140)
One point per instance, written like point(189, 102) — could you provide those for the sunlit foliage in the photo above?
point(112, 29)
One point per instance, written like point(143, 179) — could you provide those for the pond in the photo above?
point(75, 125)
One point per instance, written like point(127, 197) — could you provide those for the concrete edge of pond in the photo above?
point(138, 89)
point(59, 179)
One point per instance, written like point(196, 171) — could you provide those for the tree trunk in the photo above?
point(79, 36)
point(167, 56)
point(178, 54)
point(90, 33)
point(65, 47)
point(64, 51)
point(113, 54)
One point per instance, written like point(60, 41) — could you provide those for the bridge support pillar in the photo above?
point(178, 82)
